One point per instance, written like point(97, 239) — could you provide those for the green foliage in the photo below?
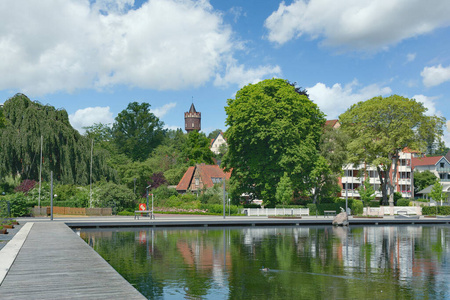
point(18, 203)
point(366, 192)
point(284, 190)
point(196, 149)
point(137, 131)
point(433, 210)
point(380, 128)
point(437, 193)
point(423, 180)
point(65, 151)
point(312, 208)
point(403, 202)
point(273, 129)
point(2, 118)
point(119, 197)
point(357, 207)
point(213, 134)
point(374, 204)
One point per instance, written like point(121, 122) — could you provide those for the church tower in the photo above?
point(192, 119)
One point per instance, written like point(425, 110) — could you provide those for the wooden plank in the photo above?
point(54, 263)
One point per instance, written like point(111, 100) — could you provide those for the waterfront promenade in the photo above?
point(48, 260)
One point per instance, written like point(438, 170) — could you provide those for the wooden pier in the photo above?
point(54, 263)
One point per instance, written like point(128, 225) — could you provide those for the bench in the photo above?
point(328, 213)
point(402, 212)
point(138, 213)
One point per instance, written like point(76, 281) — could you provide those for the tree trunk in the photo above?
point(394, 178)
point(384, 200)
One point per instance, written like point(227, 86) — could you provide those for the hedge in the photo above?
point(431, 210)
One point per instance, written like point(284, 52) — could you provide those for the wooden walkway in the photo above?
point(54, 263)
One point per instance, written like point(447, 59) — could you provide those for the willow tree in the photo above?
point(274, 129)
point(65, 151)
point(380, 128)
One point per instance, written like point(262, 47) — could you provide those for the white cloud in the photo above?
point(435, 75)
point(89, 116)
point(162, 111)
point(357, 24)
point(428, 102)
point(410, 57)
point(64, 45)
point(238, 74)
point(335, 100)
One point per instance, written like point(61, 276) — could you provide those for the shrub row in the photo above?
point(433, 210)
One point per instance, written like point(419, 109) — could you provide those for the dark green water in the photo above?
point(373, 262)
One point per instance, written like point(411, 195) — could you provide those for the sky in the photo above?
point(92, 58)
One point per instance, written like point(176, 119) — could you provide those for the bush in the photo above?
point(431, 210)
point(403, 202)
point(374, 203)
point(357, 207)
point(312, 209)
point(18, 203)
point(119, 197)
point(252, 205)
point(25, 186)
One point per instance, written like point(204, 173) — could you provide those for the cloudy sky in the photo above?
point(94, 57)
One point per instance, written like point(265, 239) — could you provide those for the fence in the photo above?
point(78, 211)
point(387, 210)
point(275, 211)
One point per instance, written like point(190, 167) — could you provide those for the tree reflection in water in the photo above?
point(403, 262)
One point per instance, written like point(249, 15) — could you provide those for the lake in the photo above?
point(322, 262)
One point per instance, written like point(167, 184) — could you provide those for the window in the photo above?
point(442, 165)
point(197, 182)
point(192, 125)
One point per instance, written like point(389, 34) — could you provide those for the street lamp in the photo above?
point(147, 194)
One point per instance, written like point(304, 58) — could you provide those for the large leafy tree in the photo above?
point(423, 180)
point(196, 149)
point(137, 131)
point(380, 128)
point(273, 129)
point(65, 151)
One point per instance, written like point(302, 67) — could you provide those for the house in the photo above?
point(333, 123)
point(201, 176)
point(217, 142)
point(438, 165)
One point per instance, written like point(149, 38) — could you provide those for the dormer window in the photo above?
point(442, 165)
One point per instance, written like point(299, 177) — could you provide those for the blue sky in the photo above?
point(94, 57)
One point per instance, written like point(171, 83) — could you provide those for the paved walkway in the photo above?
point(54, 263)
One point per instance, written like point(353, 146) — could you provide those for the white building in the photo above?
point(217, 142)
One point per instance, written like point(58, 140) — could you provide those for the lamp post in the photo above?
point(147, 194)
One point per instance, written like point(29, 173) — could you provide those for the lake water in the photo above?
point(366, 262)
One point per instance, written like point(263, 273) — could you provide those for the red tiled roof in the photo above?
point(425, 161)
point(332, 123)
point(184, 183)
point(206, 172)
point(211, 171)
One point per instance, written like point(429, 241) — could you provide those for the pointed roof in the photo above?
point(184, 183)
point(426, 161)
point(192, 109)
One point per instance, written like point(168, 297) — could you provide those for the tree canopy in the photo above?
point(381, 127)
point(65, 151)
point(137, 131)
point(423, 180)
point(273, 129)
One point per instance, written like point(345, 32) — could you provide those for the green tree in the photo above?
point(137, 131)
point(380, 128)
point(196, 149)
point(65, 151)
point(366, 192)
point(99, 132)
point(2, 118)
point(437, 193)
point(273, 128)
point(328, 166)
point(213, 134)
point(284, 190)
point(423, 180)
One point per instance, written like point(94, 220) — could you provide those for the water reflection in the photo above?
point(402, 262)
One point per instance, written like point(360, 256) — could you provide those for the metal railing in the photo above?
point(275, 211)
